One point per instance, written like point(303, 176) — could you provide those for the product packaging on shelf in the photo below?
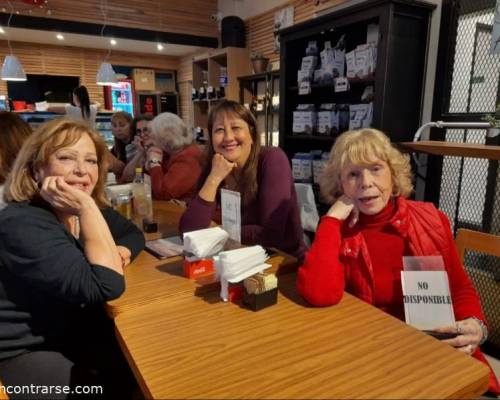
point(304, 119)
point(328, 120)
point(360, 115)
point(302, 167)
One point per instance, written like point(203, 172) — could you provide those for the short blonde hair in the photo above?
point(361, 147)
point(171, 130)
point(21, 183)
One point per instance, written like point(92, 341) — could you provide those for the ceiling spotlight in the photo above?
point(159, 46)
point(113, 42)
point(59, 37)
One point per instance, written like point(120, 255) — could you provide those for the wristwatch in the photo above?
point(484, 330)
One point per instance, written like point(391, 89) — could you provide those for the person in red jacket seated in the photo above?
point(174, 161)
point(360, 243)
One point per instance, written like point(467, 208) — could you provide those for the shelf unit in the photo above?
point(399, 73)
point(236, 61)
point(457, 149)
point(256, 93)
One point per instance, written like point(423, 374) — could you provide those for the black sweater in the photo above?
point(46, 283)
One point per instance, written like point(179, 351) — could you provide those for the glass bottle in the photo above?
point(143, 204)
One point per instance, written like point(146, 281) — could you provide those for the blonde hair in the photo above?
point(362, 147)
point(171, 130)
point(21, 183)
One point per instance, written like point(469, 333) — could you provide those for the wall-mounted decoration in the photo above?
point(282, 19)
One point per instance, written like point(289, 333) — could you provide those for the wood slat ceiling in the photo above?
point(73, 61)
point(192, 17)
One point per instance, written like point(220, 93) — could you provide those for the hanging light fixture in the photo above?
point(12, 70)
point(106, 75)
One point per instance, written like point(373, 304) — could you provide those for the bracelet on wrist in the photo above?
point(484, 329)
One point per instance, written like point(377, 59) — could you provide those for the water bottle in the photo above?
point(143, 204)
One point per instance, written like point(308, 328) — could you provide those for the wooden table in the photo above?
point(197, 347)
point(150, 281)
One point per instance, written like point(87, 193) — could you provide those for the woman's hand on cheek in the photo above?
point(221, 167)
point(343, 208)
point(63, 197)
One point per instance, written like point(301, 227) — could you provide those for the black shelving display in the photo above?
point(397, 81)
point(256, 93)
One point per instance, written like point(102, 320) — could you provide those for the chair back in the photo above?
point(480, 255)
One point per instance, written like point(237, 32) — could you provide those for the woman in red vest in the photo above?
point(360, 243)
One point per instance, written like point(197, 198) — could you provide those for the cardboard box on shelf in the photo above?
point(144, 79)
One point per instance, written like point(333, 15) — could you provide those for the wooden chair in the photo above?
point(486, 280)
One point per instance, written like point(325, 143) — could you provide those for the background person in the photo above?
point(269, 210)
point(360, 243)
point(121, 128)
point(13, 132)
point(81, 109)
point(174, 161)
point(137, 152)
point(62, 253)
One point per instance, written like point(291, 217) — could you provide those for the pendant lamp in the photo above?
point(106, 75)
point(12, 70)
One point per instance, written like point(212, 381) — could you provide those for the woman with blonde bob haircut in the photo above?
point(174, 161)
point(62, 257)
point(361, 241)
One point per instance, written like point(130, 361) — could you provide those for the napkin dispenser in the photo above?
point(197, 268)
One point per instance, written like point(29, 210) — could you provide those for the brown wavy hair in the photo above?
point(35, 153)
point(118, 149)
point(361, 147)
point(13, 132)
point(247, 182)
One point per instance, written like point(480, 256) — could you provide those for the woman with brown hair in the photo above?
point(269, 210)
point(13, 132)
point(62, 256)
point(121, 127)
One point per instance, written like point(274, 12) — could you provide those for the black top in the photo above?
point(46, 282)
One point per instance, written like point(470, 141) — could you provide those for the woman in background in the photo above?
point(137, 149)
point(269, 209)
point(63, 250)
point(81, 109)
point(13, 132)
point(121, 127)
point(174, 161)
point(360, 243)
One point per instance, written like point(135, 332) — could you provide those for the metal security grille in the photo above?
point(469, 188)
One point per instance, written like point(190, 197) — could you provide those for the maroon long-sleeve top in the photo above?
point(271, 219)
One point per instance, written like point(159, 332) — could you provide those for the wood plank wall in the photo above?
point(186, 16)
point(259, 37)
point(82, 62)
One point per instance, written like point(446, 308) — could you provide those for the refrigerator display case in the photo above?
point(121, 97)
point(102, 123)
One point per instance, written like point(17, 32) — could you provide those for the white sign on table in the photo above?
point(426, 293)
point(231, 213)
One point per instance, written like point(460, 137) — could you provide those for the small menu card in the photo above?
point(426, 293)
point(231, 213)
